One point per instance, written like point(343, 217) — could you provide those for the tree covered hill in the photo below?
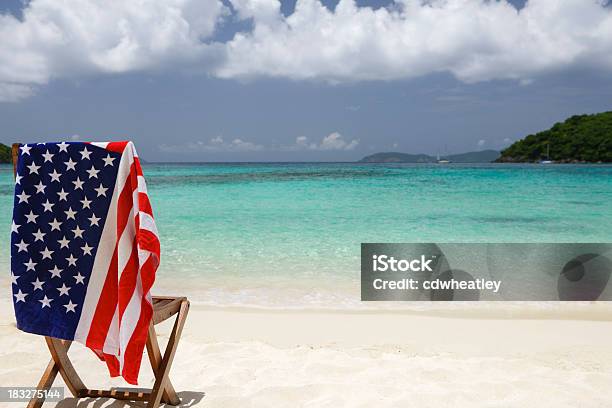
point(581, 138)
point(483, 156)
point(5, 154)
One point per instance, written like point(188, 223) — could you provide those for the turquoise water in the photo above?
point(258, 225)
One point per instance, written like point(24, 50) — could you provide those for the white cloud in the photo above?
point(481, 142)
point(10, 92)
point(80, 37)
point(333, 141)
point(474, 40)
point(216, 144)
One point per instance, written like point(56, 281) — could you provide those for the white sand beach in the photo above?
point(266, 358)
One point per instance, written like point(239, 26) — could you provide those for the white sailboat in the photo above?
point(442, 161)
point(547, 161)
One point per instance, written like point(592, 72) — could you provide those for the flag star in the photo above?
point(64, 290)
point(55, 272)
point(39, 235)
point(48, 156)
point(46, 253)
point(40, 187)
point(23, 197)
point(70, 213)
point(70, 164)
point(93, 172)
point(108, 161)
point(71, 260)
point(38, 284)
point(18, 179)
point(63, 242)
point(85, 154)
point(46, 302)
point(78, 184)
point(63, 147)
point(20, 296)
point(25, 149)
point(101, 190)
point(86, 203)
point(31, 217)
point(78, 232)
point(62, 195)
point(30, 265)
point(48, 206)
point(33, 168)
point(94, 220)
point(70, 306)
point(86, 249)
point(79, 278)
point(22, 246)
point(55, 224)
point(14, 278)
point(15, 227)
point(55, 176)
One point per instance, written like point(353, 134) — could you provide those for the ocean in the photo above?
point(289, 234)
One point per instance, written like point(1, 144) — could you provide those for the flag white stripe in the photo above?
point(130, 319)
point(100, 144)
point(124, 248)
point(110, 344)
point(147, 223)
point(142, 185)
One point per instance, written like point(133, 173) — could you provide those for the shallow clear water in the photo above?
point(246, 226)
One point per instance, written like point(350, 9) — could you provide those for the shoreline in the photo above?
point(596, 312)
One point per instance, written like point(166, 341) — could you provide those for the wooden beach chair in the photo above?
point(164, 307)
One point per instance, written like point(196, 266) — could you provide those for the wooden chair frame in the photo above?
point(164, 307)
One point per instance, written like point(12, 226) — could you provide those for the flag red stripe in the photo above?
point(147, 274)
point(145, 204)
point(116, 147)
point(105, 308)
point(149, 242)
point(138, 166)
point(133, 352)
point(127, 280)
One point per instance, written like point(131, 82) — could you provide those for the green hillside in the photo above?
point(581, 138)
point(483, 156)
point(5, 154)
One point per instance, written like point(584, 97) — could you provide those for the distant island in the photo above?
point(5, 154)
point(483, 156)
point(579, 139)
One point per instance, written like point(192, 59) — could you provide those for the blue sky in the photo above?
point(251, 81)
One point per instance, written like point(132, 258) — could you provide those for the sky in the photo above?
point(262, 80)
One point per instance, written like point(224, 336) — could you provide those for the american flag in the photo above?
point(84, 249)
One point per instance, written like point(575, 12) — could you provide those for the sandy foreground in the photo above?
point(251, 358)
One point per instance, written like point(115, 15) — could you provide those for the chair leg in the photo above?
point(59, 353)
point(46, 381)
point(161, 377)
point(169, 395)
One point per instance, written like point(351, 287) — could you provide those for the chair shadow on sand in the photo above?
point(188, 399)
